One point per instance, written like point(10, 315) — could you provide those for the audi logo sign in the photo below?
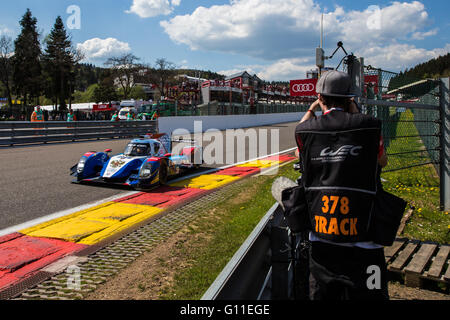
point(303, 88)
point(299, 88)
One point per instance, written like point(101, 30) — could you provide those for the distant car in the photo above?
point(123, 113)
point(146, 162)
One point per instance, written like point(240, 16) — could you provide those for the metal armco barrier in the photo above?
point(264, 268)
point(17, 133)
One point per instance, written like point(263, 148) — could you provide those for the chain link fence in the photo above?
point(411, 130)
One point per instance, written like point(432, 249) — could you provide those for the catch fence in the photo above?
point(416, 122)
point(410, 111)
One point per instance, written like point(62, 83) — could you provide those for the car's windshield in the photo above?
point(136, 150)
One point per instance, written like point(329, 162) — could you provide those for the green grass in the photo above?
point(419, 186)
point(219, 235)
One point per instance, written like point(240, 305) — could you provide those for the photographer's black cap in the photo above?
point(335, 84)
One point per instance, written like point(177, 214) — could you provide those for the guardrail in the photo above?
point(266, 267)
point(224, 108)
point(17, 133)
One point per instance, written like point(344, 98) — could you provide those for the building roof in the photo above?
point(238, 75)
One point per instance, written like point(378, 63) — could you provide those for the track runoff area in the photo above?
point(55, 240)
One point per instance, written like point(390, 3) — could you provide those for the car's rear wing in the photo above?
point(184, 140)
point(164, 138)
point(168, 141)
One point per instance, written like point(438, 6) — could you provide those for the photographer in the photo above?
point(341, 155)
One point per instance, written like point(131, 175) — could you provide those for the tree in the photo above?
point(6, 67)
point(26, 60)
point(138, 93)
point(124, 70)
point(164, 70)
point(60, 60)
point(105, 91)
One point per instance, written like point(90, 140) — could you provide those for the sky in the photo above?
point(275, 39)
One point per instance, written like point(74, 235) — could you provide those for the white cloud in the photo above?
point(281, 31)
point(184, 64)
point(423, 35)
point(259, 28)
point(101, 49)
point(396, 21)
point(274, 29)
point(281, 70)
point(153, 8)
point(5, 31)
point(398, 57)
point(285, 70)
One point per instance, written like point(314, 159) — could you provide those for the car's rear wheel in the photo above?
point(163, 173)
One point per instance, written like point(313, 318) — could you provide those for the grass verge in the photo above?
point(419, 186)
point(218, 234)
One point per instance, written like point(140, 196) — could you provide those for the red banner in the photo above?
point(102, 107)
point(373, 81)
point(303, 88)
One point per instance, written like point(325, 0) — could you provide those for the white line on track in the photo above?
point(63, 213)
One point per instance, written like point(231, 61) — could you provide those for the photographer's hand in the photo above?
point(311, 113)
point(353, 107)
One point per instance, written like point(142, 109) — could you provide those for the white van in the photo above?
point(126, 106)
point(124, 111)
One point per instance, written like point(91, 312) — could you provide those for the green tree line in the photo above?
point(33, 67)
point(47, 70)
point(432, 69)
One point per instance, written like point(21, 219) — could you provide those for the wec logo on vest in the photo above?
point(328, 155)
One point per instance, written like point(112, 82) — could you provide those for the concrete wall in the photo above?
point(170, 124)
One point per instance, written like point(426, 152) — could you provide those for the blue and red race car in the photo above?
point(145, 163)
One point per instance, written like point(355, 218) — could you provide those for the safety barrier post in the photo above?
point(445, 145)
point(282, 266)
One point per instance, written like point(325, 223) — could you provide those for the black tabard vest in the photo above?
point(339, 153)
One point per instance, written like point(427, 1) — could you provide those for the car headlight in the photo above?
point(81, 164)
point(146, 171)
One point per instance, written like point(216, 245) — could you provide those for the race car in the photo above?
point(146, 162)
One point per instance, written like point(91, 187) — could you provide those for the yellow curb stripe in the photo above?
point(260, 164)
point(206, 182)
point(40, 226)
point(94, 225)
point(147, 213)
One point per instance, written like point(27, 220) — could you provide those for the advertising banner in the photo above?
point(372, 80)
point(303, 88)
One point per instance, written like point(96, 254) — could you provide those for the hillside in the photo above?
point(434, 69)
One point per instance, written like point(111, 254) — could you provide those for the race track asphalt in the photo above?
point(35, 180)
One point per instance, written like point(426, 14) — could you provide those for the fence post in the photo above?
point(356, 72)
point(12, 134)
point(445, 145)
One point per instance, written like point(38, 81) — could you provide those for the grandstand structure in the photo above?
point(246, 89)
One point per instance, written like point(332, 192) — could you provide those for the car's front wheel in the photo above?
point(163, 173)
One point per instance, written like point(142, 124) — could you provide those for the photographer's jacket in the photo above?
point(339, 153)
